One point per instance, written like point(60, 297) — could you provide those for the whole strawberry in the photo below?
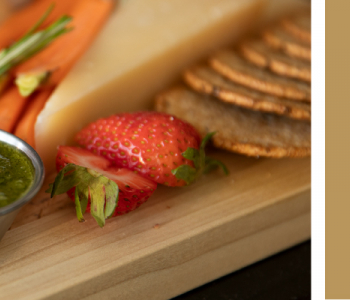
point(96, 186)
point(158, 146)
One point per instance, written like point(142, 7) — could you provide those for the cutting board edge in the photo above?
point(297, 228)
point(152, 286)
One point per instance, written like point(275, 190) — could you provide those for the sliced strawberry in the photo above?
point(96, 186)
point(154, 145)
point(80, 157)
point(133, 188)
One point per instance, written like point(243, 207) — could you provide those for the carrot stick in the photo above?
point(4, 81)
point(88, 18)
point(25, 127)
point(20, 22)
point(11, 106)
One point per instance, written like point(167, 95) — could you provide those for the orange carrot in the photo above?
point(4, 82)
point(20, 22)
point(25, 128)
point(59, 57)
point(11, 106)
point(88, 18)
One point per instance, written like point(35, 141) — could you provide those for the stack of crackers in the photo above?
point(256, 97)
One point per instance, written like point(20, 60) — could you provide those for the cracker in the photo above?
point(258, 53)
point(299, 26)
point(232, 66)
point(281, 40)
point(205, 80)
point(237, 129)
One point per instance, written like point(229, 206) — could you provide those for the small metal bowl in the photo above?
point(9, 212)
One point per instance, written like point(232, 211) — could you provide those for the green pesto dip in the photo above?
point(16, 174)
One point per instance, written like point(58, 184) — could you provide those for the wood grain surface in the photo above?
point(180, 239)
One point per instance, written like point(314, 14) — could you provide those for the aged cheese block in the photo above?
point(142, 49)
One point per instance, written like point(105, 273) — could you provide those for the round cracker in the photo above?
point(258, 53)
point(289, 44)
point(238, 129)
point(205, 80)
point(232, 66)
point(299, 26)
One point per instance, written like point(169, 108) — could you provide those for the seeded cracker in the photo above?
point(258, 53)
point(280, 39)
point(238, 129)
point(205, 80)
point(232, 66)
point(299, 26)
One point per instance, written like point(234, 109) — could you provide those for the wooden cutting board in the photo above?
point(180, 239)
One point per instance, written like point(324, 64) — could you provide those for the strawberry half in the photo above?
point(158, 146)
point(97, 186)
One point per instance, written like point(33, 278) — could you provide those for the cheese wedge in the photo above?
point(143, 48)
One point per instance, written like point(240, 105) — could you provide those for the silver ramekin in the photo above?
point(9, 212)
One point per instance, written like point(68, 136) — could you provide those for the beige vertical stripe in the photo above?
point(337, 149)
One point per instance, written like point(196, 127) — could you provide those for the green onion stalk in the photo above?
point(30, 44)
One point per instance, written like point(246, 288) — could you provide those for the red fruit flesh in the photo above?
point(133, 189)
point(149, 143)
point(80, 157)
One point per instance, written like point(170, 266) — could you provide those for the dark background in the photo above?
point(286, 275)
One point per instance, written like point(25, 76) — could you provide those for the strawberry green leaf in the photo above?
point(78, 207)
point(64, 181)
point(186, 173)
point(192, 154)
point(97, 199)
point(204, 142)
point(84, 199)
point(111, 197)
point(212, 164)
point(202, 163)
point(89, 185)
point(206, 139)
point(53, 187)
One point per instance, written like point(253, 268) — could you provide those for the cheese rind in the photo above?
point(143, 48)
